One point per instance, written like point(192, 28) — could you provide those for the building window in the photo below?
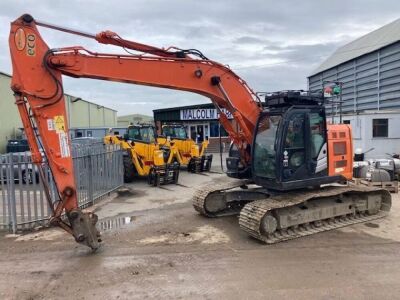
point(346, 122)
point(214, 129)
point(380, 127)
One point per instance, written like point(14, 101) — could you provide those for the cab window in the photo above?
point(294, 150)
point(317, 134)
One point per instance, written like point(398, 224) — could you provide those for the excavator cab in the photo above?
point(290, 148)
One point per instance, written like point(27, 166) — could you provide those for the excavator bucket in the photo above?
point(84, 228)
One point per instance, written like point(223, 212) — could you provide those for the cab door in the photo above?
point(318, 163)
point(303, 146)
point(293, 151)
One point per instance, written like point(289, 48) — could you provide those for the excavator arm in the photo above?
point(38, 88)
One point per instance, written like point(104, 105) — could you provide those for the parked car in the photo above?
point(14, 146)
point(81, 141)
point(23, 170)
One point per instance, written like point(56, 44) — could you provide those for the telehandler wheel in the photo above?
point(207, 164)
point(176, 176)
point(150, 178)
point(190, 166)
point(129, 169)
point(157, 180)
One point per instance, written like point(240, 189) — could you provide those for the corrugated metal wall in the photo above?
point(371, 81)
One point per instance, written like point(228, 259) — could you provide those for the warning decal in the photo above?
point(64, 146)
point(50, 124)
point(59, 123)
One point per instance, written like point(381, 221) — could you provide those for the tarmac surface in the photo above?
point(157, 247)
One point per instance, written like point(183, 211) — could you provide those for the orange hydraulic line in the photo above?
point(37, 78)
point(111, 38)
point(174, 73)
point(41, 104)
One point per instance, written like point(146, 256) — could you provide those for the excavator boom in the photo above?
point(38, 88)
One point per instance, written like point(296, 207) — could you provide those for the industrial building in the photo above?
point(126, 120)
point(85, 118)
point(201, 122)
point(369, 71)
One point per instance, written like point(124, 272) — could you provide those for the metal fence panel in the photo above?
point(23, 205)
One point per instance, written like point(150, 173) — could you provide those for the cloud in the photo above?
point(272, 44)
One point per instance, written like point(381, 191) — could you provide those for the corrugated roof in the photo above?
point(5, 74)
point(370, 42)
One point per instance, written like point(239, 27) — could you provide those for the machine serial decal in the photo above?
point(50, 125)
point(20, 39)
point(31, 45)
point(64, 147)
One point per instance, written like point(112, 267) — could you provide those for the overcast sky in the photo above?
point(273, 45)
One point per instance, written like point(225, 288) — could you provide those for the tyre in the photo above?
point(129, 169)
point(27, 176)
point(157, 180)
point(176, 176)
point(151, 177)
point(191, 166)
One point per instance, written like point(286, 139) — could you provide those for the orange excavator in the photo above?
point(289, 164)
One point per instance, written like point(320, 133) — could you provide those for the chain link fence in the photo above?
point(23, 204)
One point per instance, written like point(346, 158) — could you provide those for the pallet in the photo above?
point(355, 181)
point(391, 186)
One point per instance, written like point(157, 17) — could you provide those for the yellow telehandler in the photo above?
point(143, 156)
point(182, 149)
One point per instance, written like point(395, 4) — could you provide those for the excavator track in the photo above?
point(204, 196)
point(262, 218)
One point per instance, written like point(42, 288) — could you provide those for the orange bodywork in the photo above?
point(340, 151)
point(37, 83)
point(40, 100)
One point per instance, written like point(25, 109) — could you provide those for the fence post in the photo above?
point(90, 174)
point(11, 193)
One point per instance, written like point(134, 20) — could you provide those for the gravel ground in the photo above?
point(157, 247)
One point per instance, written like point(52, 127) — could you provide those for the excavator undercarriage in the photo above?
point(273, 216)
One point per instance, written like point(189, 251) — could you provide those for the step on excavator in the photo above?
point(289, 166)
point(184, 150)
point(143, 157)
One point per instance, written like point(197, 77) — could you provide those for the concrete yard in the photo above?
point(166, 250)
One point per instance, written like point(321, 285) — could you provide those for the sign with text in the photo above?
point(203, 114)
